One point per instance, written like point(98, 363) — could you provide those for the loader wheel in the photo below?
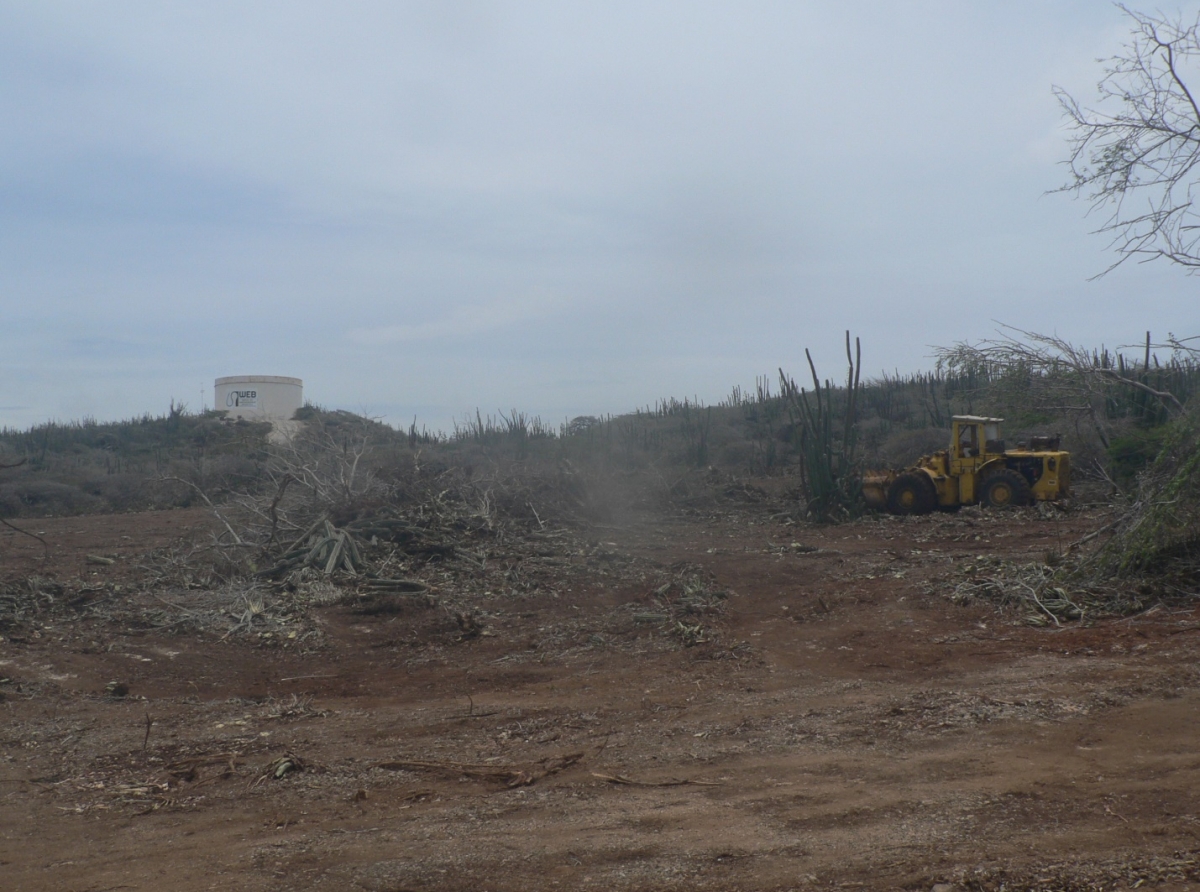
point(1005, 488)
point(912, 494)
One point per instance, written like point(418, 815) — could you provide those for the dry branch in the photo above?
point(13, 526)
point(628, 782)
point(509, 775)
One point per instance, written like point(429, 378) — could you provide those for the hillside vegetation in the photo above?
point(1113, 430)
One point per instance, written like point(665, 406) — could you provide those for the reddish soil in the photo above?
point(841, 724)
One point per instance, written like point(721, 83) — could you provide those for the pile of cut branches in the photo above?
point(322, 546)
point(686, 606)
point(347, 519)
point(340, 501)
point(1038, 588)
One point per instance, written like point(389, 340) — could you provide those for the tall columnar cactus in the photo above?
point(829, 451)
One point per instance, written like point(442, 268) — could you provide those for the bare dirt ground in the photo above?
point(822, 715)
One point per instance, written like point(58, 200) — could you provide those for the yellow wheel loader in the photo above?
point(976, 469)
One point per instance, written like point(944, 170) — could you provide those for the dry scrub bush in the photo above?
point(39, 497)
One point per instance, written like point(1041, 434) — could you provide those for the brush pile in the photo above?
point(1041, 590)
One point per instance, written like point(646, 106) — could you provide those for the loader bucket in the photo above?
point(875, 488)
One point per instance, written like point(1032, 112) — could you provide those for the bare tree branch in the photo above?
point(1163, 395)
point(13, 526)
point(1135, 154)
point(216, 511)
point(1048, 372)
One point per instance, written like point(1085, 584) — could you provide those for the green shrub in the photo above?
point(1160, 534)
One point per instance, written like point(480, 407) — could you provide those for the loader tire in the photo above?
point(1005, 488)
point(912, 494)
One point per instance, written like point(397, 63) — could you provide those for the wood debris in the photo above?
point(674, 782)
point(509, 775)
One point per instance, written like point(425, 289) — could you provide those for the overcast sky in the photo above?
point(564, 207)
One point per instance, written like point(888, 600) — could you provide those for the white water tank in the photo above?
point(259, 397)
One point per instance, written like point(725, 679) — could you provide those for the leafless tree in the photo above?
point(1134, 155)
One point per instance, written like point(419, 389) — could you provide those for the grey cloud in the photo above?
point(567, 208)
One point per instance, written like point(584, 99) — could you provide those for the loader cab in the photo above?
point(973, 437)
point(974, 442)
